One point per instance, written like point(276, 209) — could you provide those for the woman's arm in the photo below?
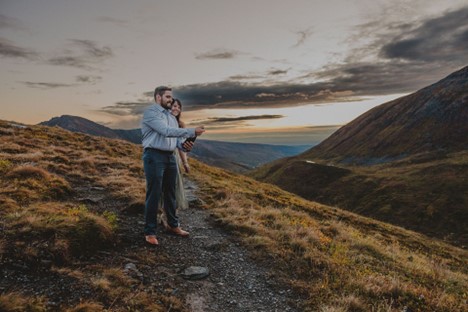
point(183, 157)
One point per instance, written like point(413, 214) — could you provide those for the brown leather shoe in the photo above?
point(177, 231)
point(152, 240)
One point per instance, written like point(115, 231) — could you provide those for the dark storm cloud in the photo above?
point(233, 94)
point(45, 85)
point(86, 55)
point(410, 56)
point(9, 49)
point(218, 54)
point(438, 39)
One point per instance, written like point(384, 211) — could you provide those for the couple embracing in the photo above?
point(162, 135)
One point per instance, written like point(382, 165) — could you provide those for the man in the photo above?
point(161, 135)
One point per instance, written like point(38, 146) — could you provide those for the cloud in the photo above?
point(404, 57)
point(397, 58)
point(218, 54)
point(11, 23)
point(440, 39)
point(243, 118)
point(9, 49)
point(126, 108)
point(45, 85)
point(88, 79)
point(91, 49)
point(81, 79)
point(112, 20)
point(233, 94)
point(86, 55)
point(246, 77)
point(302, 37)
point(275, 72)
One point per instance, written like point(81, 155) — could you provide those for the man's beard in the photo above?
point(168, 105)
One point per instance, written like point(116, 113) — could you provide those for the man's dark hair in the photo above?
point(160, 90)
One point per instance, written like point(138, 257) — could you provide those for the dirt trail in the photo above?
point(236, 282)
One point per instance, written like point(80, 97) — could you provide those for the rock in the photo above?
point(91, 199)
point(131, 269)
point(195, 273)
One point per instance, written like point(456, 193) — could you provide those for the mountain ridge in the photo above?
point(431, 119)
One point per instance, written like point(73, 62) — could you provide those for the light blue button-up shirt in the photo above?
point(160, 129)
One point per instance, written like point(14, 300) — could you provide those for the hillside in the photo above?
point(237, 157)
point(404, 162)
point(431, 120)
point(71, 208)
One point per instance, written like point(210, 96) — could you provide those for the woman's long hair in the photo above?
point(181, 123)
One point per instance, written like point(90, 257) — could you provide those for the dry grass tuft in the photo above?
point(15, 302)
point(61, 230)
point(87, 307)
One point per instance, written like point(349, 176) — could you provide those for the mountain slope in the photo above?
point(62, 194)
point(404, 162)
point(429, 120)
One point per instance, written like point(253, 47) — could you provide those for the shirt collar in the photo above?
point(160, 108)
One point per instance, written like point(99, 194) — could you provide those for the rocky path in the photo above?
point(235, 282)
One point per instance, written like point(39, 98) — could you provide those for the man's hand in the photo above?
point(187, 145)
point(199, 130)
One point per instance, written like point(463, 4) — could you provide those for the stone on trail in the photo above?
point(195, 273)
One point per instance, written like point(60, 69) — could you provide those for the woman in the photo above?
point(176, 110)
point(181, 158)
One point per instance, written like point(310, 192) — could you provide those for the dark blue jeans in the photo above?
point(161, 176)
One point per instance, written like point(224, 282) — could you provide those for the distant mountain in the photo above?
point(238, 157)
point(241, 157)
point(434, 119)
point(82, 125)
point(404, 162)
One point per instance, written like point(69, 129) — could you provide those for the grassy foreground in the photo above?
point(335, 260)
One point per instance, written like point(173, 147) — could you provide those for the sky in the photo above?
point(260, 71)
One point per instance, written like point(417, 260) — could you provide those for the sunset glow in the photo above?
point(254, 68)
